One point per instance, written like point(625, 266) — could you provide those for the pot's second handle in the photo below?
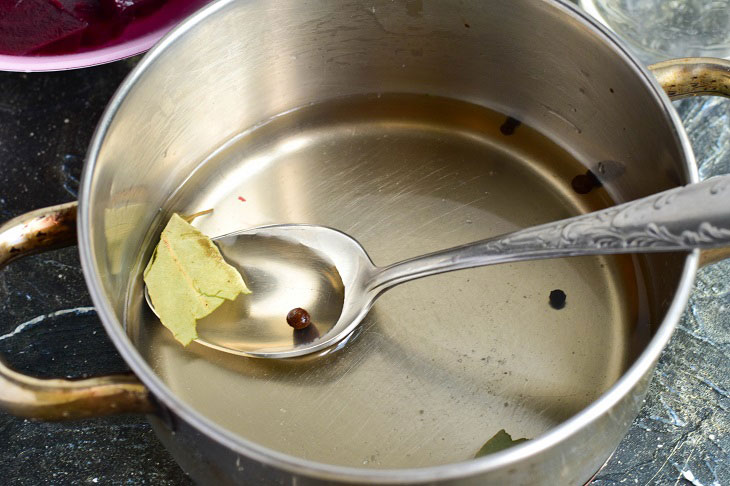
point(693, 76)
point(59, 399)
point(696, 76)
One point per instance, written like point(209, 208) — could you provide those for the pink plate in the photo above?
point(137, 37)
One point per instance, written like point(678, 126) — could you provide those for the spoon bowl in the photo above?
point(288, 266)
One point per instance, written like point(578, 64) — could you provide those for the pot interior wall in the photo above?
point(248, 62)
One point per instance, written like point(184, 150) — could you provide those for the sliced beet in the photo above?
point(70, 43)
point(86, 10)
point(131, 8)
point(101, 31)
point(32, 25)
point(105, 22)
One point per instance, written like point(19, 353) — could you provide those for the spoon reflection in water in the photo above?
point(329, 274)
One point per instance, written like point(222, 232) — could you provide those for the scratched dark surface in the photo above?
point(48, 326)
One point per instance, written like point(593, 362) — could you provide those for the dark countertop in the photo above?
point(50, 329)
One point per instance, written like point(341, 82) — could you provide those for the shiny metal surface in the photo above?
point(431, 342)
point(217, 109)
point(329, 273)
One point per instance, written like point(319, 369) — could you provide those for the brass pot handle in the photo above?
point(60, 399)
point(695, 76)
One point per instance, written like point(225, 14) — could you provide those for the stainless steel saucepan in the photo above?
point(413, 126)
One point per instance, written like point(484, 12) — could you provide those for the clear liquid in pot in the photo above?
point(440, 364)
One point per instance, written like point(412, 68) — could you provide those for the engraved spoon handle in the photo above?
point(684, 218)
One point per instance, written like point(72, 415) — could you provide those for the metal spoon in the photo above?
point(329, 273)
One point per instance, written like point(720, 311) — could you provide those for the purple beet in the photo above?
point(33, 25)
point(63, 26)
point(110, 17)
point(131, 8)
point(86, 10)
point(104, 24)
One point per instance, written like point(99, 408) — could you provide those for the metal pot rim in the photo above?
point(326, 471)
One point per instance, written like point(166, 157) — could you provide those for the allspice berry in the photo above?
point(298, 318)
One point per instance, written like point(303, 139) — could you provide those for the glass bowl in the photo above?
point(138, 36)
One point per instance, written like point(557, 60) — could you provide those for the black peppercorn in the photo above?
point(557, 299)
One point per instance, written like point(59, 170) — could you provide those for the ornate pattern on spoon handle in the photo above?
point(694, 216)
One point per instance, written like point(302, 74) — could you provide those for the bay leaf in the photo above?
point(187, 279)
point(499, 441)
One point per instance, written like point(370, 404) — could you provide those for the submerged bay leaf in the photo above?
point(500, 441)
point(187, 278)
